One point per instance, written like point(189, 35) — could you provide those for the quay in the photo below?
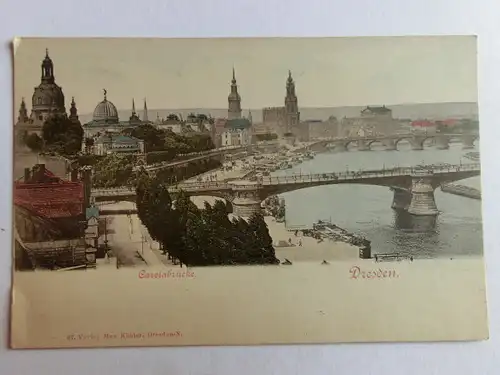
point(474, 156)
point(392, 257)
point(461, 190)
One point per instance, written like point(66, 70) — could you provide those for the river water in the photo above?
point(366, 210)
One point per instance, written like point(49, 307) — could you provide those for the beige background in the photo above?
point(430, 300)
point(196, 73)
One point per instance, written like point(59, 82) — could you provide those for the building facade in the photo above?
point(49, 219)
point(109, 143)
point(283, 120)
point(237, 132)
point(105, 119)
point(47, 100)
point(371, 121)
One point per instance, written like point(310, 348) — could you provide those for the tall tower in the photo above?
point(73, 112)
point(133, 117)
point(292, 114)
point(47, 69)
point(48, 97)
point(145, 112)
point(23, 112)
point(234, 100)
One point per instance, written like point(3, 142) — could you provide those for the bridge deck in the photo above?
point(305, 178)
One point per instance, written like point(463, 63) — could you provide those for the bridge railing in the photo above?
point(208, 185)
point(393, 136)
point(359, 174)
point(304, 178)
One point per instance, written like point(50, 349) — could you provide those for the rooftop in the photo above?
point(50, 200)
point(378, 110)
point(238, 123)
point(49, 196)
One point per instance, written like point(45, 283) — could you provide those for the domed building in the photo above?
point(105, 119)
point(47, 100)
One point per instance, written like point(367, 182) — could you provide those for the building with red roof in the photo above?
point(48, 196)
point(50, 211)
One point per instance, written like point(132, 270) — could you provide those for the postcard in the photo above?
point(246, 191)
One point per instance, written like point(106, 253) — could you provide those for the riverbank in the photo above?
point(461, 190)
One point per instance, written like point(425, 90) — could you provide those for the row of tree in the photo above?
point(60, 136)
point(201, 237)
point(167, 145)
point(266, 136)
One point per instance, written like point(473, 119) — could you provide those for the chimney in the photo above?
point(41, 171)
point(38, 173)
point(27, 175)
point(74, 175)
point(87, 185)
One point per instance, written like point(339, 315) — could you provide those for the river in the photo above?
point(366, 210)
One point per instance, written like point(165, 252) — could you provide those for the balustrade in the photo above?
point(304, 178)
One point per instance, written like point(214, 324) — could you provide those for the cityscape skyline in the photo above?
point(180, 85)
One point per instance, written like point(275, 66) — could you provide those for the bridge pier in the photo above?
point(390, 144)
point(401, 200)
point(417, 143)
point(468, 142)
point(363, 146)
point(246, 200)
point(442, 142)
point(340, 146)
point(422, 196)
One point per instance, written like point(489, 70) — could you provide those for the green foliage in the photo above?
point(201, 237)
point(165, 145)
point(113, 170)
point(266, 136)
point(62, 136)
point(34, 142)
point(152, 137)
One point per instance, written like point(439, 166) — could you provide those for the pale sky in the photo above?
point(196, 73)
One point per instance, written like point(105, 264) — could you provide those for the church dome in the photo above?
point(48, 96)
point(105, 111)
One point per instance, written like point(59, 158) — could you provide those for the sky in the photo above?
point(196, 73)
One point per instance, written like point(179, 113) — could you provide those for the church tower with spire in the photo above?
point(47, 101)
point(145, 112)
point(48, 97)
point(234, 100)
point(133, 117)
point(23, 112)
point(292, 114)
point(73, 112)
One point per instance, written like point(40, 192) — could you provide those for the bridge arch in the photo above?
point(349, 142)
point(401, 139)
point(376, 142)
point(211, 200)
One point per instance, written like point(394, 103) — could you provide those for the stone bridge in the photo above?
point(390, 142)
point(413, 187)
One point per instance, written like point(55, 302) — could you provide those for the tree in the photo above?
point(153, 138)
point(62, 135)
point(263, 252)
point(34, 142)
